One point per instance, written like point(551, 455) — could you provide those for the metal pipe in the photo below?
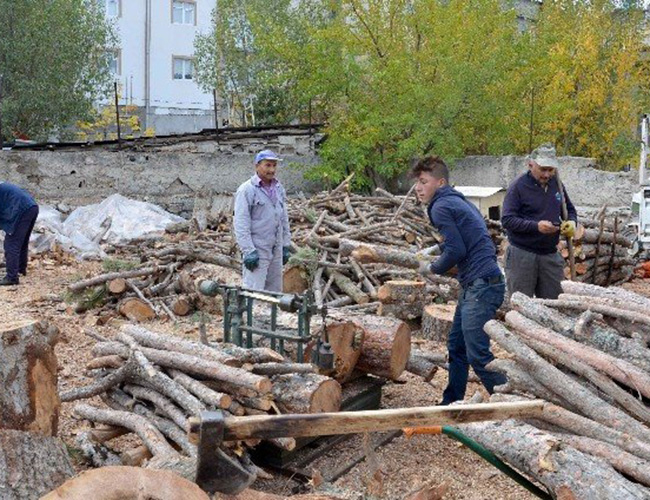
point(147, 63)
point(644, 150)
point(117, 117)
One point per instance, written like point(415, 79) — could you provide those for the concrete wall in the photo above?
point(586, 185)
point(174, 175)
point(171, 176)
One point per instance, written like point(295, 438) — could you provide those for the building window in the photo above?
point(115, 62)
point(182, 68)
point(183, 12)
point(113, 8)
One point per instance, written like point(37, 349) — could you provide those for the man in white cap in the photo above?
point(532, 218)
point(261, 225)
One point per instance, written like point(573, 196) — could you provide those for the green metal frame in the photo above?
point(238, 324)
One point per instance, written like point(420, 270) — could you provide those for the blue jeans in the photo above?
point(16, 245)
point(468, 344)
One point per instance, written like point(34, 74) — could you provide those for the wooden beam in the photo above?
point(327, 424)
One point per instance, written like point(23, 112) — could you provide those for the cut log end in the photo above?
point(137, 310)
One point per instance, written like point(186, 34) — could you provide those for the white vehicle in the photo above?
point(641, 201)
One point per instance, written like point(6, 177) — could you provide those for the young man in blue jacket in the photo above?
point(468, 246)
point(532, 218)
point(18, 212)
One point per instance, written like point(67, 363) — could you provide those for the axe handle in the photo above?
point(565, 216)
point(352, 422)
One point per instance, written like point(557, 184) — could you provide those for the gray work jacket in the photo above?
point(259, 223)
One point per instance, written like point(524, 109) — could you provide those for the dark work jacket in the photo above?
point(14, 201)
point(467, 243)
point(527, 203)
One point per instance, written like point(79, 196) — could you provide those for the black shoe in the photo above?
point(7, 282)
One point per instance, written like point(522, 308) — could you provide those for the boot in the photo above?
point(8, 282)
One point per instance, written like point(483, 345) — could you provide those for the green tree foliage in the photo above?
point(54, 63)
point(397, 79)
point(229, 59)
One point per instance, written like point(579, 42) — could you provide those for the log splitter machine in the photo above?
point(238, 327)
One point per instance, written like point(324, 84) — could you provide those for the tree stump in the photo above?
point(31, 465)
point(127, 483)
point(295, 280)
point(306, 393)
point(29, 400)
point(437, 320)
point(386, 346)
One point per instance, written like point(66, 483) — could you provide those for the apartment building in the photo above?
point(154, 65)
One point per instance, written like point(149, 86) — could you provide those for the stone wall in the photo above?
point(171, 175)
point(174, 172)
point(587, 186)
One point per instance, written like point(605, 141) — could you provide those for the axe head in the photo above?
point(215, 470)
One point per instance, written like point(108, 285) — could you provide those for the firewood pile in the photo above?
point(587, 353)
point(353, 244)
point(152, 383)
point(346, 246)
point(164, 283)
point(600, 250)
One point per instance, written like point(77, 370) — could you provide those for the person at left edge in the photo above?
point(261, 225)
point(468, 246)
point(18, 213)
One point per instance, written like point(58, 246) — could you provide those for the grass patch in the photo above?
point(117, 265)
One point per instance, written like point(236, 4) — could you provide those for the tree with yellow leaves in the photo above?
point(589, 74)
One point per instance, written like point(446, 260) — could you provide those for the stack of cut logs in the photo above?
point(152, 383)
point(164, 285)
point(588, 354)
point(600, 250)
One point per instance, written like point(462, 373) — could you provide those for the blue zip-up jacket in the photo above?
point(527, 203)
point(14, 202)
point(467, 243)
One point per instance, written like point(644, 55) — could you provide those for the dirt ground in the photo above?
point(396, 469)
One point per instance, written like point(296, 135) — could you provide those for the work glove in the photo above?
point(429, 251)
point(286, 253)
point(424, 268)
point(252, 260)
point(568, 228)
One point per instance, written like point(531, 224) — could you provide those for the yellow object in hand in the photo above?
point(568, 228)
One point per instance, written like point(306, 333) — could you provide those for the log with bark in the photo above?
point(346, 340)
point(306, 393)
point(562, 469)
point(562, 385)
point(386, 346)
point(154, 390)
